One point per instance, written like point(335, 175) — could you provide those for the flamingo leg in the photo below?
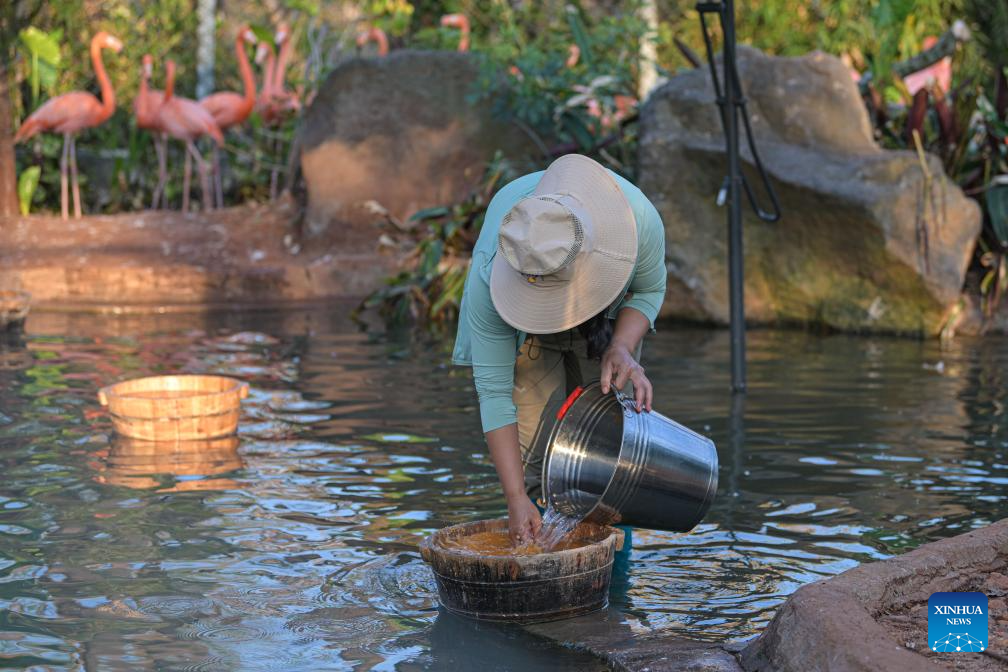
point(204, 175)
point(218, 178)
point(186, 178)
point(160, 146)
point(64, 185)
point(73, 177)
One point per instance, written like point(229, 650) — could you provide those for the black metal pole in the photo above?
point(735, 268)
point(731, 102)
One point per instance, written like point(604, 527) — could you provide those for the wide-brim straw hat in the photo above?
point(566, 252)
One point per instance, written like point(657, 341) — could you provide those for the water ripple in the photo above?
point(354, 446)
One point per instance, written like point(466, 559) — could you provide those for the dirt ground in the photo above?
point(249, 255)
point(909, 627)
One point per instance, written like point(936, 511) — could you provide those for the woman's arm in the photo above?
point(523, 517)
point(493, 353)
point(637, 314)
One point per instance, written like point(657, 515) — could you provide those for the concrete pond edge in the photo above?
point(832, 624)
point(600, 635)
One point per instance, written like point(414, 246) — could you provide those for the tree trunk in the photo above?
point(206, 43)
point(8, 177)
point(648, 51)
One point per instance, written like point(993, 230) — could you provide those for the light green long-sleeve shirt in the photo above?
point(489, 344)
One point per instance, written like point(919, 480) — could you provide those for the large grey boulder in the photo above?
point(401, 131)
point(869, 240)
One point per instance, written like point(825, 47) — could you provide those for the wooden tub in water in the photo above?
point(175, 408)
point(524, 588)
point(14, 307)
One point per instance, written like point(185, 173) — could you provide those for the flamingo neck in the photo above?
point(169, 87)
point(267, 85)
point(248, 81)
point(142, 99)
point(107, 93)
point(281, 65)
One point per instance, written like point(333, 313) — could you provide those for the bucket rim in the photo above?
point(12, 295)
point(428, 546)
point(118, 391)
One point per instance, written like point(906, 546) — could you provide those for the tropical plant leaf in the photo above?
point(580, 35)
point(997, 208)
point(431, 258)
point(578, 130)
point(263, 34)
point(47, 75)
point(41, 45)
point(429, 213)
point(307, 6)
point(452, 293)
point(27, 183)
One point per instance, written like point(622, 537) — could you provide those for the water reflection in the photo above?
point(294, 546)
point(14, 354)
point(133, 463)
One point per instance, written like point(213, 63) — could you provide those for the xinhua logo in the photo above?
point(957, 622)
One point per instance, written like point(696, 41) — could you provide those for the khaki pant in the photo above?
point(548, 368)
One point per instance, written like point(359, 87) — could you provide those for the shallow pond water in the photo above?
point(295, 547)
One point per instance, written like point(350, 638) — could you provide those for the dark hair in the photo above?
point(598, 332)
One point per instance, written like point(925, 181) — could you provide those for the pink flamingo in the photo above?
point(229, 108)
point(185, 120)
point(275, 103)
point(73, 112)
point(289, 101)
point(573, 56)
point(460, 21)
point(939, 73)
point(145, 107)
point(376, 35)
point(266, 58)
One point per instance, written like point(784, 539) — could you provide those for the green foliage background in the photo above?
point(534, 36)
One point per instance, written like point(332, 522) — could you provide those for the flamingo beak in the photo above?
point(250, 37)
point(260, 54)
point(114, 44)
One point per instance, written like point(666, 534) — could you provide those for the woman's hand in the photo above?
point(619, 366)
point(523, 519)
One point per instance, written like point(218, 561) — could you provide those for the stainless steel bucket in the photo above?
point(606, 463)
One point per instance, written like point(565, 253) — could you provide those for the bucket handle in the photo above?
point(625, 401)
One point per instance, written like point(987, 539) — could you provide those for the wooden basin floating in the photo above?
point(523, 588)
point(175, 408)
point(14, 306)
